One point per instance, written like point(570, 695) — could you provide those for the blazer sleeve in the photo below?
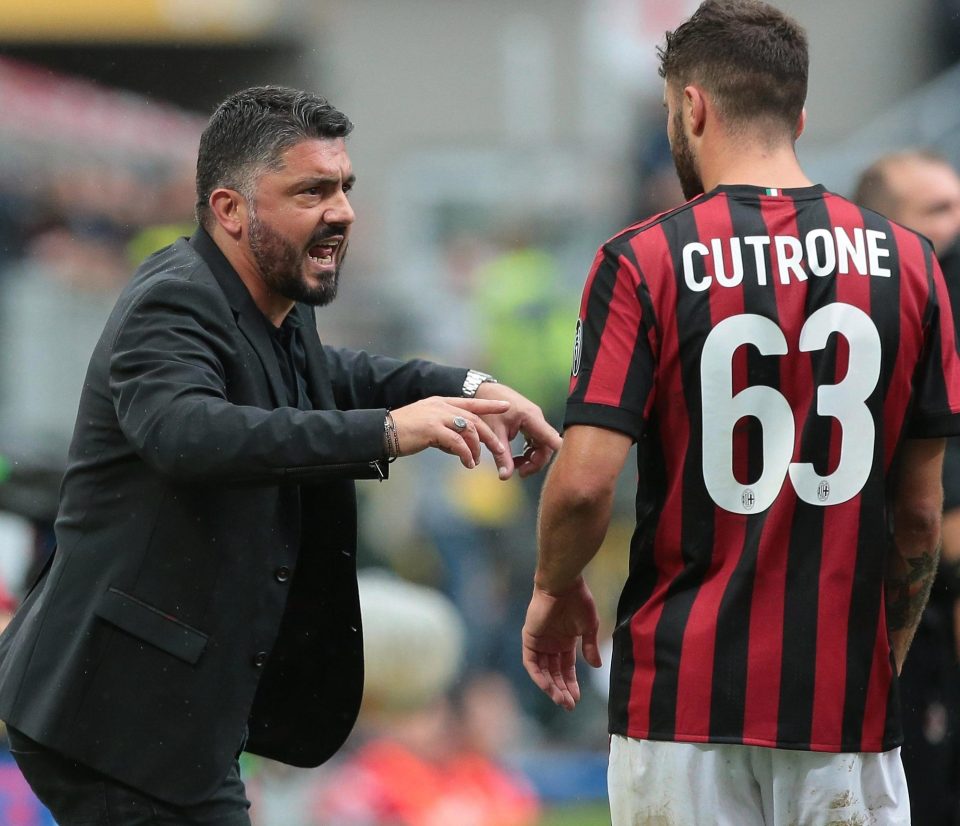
point(168, 383)
point(362, 380)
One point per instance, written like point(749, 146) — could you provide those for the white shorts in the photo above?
point(655, 783)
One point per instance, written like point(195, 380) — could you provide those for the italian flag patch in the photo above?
point(773, 192)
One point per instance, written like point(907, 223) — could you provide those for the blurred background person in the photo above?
point(917, 188)
point(418, 762)
point(920, 189)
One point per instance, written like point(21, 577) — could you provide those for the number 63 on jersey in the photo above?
point(845, 402)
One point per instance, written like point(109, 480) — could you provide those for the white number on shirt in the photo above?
point(845, 402)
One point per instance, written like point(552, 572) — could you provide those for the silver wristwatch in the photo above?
point(473, 381)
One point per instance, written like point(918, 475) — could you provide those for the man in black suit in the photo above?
point(203, 598)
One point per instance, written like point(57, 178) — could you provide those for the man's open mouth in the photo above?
point(324, 252)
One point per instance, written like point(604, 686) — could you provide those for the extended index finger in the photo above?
point(482, 407)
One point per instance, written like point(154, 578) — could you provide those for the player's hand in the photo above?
point(555, 624)
point(523, 416)
point(433, 422)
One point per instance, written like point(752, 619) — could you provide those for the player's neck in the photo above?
point(765, 166)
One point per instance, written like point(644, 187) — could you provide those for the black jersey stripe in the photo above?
point(801, 596)
point(866, 601)
point(651, 487)
point(693, 322)
point(938, 394)
point(597, 311)
point(640, 375)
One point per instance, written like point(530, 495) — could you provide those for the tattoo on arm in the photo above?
point(907, 591)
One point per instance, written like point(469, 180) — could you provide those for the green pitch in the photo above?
point(595, 814)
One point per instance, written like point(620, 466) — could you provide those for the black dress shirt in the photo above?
point(288, 347)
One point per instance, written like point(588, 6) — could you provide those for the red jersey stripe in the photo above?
point(694, 680)
point(618, 340)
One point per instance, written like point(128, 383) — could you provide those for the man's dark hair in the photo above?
point(249, 132)
point(750, 57)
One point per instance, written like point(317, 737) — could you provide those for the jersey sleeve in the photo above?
point(936, 383)
point(613, 367)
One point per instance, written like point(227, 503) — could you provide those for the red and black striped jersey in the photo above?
point(769, 351)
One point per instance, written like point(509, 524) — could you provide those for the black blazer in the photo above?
point(205, 575)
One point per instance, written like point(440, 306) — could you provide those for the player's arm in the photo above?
point(576, 504)
point(169, 369)
point(575, 511)
point(912, 560)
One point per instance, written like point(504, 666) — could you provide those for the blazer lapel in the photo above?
point(249, 318)
point(251, 324)
point(319, 385)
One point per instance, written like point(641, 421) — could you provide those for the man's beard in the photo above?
point(281, 263)
point(683, 160)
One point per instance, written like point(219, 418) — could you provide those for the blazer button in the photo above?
point(282, 573)
point(259, 659)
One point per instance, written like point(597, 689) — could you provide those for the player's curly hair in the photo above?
point(249, 132)
point(749, 56)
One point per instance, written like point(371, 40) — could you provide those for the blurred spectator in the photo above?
point(656, 187)
point(917, 188)
point(473, 528)
point(946, 15)
point(921, 190)
point(421, 764)
point(67, 229)
point(527, 323)
point(450, 324)
point(498, 301)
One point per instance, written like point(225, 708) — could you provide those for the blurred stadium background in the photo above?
point(496, 145)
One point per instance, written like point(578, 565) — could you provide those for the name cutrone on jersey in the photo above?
point(821, 252)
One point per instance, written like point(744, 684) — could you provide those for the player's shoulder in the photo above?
point(873, 220)
point(646, 229)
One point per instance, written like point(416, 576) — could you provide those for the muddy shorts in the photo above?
point(690, 784)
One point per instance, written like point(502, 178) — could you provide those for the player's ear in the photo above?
point(229, 208)
point(801, 123)
point(695, 106)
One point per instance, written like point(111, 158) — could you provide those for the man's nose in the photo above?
point(340, 211)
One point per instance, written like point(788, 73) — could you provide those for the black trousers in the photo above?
point(79, 796)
